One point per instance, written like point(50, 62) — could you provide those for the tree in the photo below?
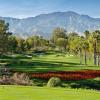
point(37, 43)
point(12, 44)
point(73, 42)
point(94, 41)
point(59, 38)
point(58, 33)
point(4, 35)
point(98, 52)
point(61, 43)
point(86, 47)
point(87, 34)
point(21, 43)
point(98, 46)
point(80, 46)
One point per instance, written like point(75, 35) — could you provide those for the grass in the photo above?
point(49, 62)
point(39, 93)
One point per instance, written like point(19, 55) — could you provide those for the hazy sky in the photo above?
point(30, 8)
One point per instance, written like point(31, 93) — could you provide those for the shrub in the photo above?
point(5, 80)
point(68, 75)
point(97, 79)
point(53, 82)
point(75, 85)
point(21, 79)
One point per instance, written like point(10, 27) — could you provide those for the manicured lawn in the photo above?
point(49, 62)
point(46, 63)
point(43, 93)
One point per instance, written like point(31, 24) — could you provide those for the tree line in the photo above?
point(86, 46)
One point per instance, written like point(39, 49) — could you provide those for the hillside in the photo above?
point(44, 24)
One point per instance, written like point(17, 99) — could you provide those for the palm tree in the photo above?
point(86, 47)
point(98, 52)
point(95, 38)
point(80, 46)
point(98, 47)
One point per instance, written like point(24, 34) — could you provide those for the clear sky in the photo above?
point(30, 8)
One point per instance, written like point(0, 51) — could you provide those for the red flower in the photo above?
point(68, 75)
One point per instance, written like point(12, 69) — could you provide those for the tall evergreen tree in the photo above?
point(4, 35)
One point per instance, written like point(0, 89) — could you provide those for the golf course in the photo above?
point(43, 93)
point(53, 62)
point(53, 56)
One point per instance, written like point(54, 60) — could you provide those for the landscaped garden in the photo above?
point(41, 67)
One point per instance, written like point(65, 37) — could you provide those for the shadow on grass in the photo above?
point(27, 64)
point(42, 63)
point(85, 84)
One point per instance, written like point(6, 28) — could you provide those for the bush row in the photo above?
point(68, 75)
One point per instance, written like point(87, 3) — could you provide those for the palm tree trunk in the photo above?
point(95, 55)
point(85, 57)
point(80, 56)
point(98, 59)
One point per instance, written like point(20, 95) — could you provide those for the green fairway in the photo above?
point(37, 93)
point(48, 62)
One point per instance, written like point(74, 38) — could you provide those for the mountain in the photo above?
point(43, 24)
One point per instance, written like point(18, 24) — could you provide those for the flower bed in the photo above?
point(68, 75)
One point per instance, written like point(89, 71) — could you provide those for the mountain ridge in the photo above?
point(43, 24)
